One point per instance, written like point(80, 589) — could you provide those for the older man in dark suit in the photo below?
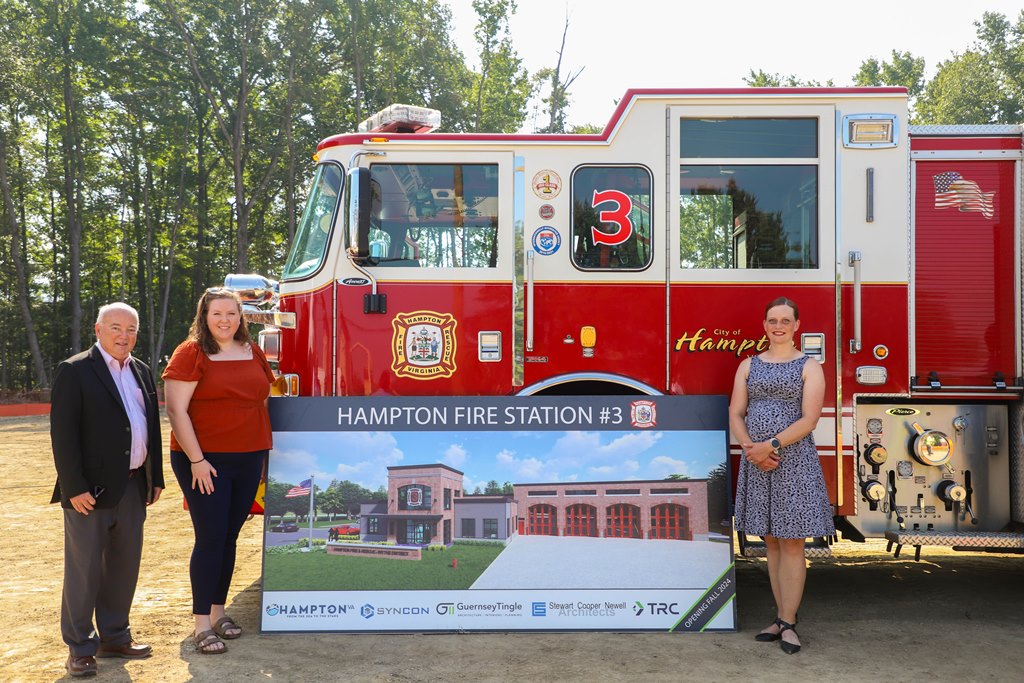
point(105, 430)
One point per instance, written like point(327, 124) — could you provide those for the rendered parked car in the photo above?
point(285, 526)
point(346, 530)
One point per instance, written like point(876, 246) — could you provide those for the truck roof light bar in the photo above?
point(402, 118)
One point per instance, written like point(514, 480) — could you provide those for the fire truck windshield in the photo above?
point(314, 231)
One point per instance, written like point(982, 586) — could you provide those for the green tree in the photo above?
point(964, 90)
point(557, 86)
point(1002, 42)
point(718, 499)
point(329, 501)
point(903, 69)
point(13, 88)
point(705, 231)
point(501, 88)
point(233, 53)
point(764, 79)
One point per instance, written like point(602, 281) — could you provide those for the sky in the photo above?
point(518, 457)
point(692, 44)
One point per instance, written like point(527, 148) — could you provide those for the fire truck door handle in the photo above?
point(855, 343)
point(529, 300)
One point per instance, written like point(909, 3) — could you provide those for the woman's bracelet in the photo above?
point(196, 462)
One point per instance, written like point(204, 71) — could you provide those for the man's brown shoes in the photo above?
point(129, 650)
point(81, 666)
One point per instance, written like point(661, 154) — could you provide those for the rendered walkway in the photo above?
point(573, 562)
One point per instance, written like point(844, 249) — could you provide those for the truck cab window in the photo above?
point(611, 218)
point(314, 230)
point(434, 215)
point(737, 214)
point(748, 217)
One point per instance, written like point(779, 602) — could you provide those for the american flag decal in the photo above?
point(951, 190)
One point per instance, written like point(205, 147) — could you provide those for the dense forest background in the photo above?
point(149, 148)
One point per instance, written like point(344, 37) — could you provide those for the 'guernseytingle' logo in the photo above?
point(423, 345)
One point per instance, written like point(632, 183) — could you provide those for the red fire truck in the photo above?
point(639, 261)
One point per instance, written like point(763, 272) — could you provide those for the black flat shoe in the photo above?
point(770, 637)
point(788, 648)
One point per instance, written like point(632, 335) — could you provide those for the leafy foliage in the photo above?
point(149, 148)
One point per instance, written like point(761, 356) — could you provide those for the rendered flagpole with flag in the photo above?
point(305, 488)
point(312, 489)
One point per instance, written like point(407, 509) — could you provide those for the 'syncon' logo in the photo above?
point(367, 611)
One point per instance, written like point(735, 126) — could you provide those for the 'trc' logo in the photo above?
point(367, 611)
point(656, 608)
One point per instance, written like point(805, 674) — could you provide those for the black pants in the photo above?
point(216, 519)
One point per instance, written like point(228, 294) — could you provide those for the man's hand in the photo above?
point(83, 503)
point(156, 495)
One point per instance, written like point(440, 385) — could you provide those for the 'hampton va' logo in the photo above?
point(423, 345)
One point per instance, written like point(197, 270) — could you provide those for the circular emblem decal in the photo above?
point(546, 240)
point(547, 212)
point(546, 184)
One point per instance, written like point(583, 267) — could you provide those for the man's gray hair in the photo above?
point(116, 306)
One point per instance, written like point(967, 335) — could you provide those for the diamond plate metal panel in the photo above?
point(1017, 462)
point(966, 539)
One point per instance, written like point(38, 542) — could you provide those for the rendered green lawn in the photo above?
point(320, 571)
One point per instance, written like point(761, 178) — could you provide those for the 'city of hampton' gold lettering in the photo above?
point(698, 342)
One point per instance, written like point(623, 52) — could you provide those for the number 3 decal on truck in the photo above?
point(619, 216)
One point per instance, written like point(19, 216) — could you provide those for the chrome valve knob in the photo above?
point(874, 491)
point(951, 492)
point(875, 454)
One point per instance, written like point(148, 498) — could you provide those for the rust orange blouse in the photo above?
point(226, 409)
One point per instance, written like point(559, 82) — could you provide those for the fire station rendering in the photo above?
point(427, 505)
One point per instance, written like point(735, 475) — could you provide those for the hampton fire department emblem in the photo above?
point(423, 345)
point(643, 414)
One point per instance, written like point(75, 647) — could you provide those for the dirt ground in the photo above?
point(950, 617)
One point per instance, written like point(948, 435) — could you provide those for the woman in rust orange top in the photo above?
point(216, 387)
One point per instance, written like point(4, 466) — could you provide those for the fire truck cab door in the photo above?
point(752, 207)
point(441, 252)
point(594, 270)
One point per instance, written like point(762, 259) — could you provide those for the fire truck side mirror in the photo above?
point(360, 204)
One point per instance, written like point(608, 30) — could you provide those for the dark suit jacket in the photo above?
point(91, 433)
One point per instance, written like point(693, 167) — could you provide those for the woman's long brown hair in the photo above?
point(200, 331)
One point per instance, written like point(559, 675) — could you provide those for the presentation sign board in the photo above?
point(570, 513)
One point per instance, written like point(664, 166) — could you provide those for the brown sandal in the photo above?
point(223, 625)
point(206, 643)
